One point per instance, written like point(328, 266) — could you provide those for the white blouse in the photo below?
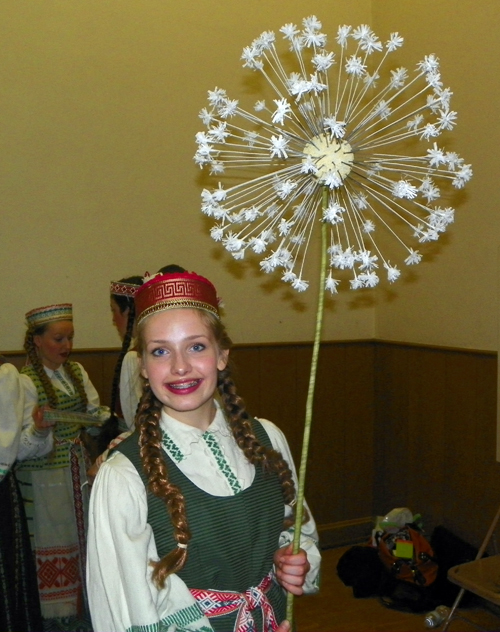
point(121, 543)
point(18, 436)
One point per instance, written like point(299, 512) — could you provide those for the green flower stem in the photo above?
point(299, 510)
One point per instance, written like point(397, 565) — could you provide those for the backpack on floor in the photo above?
point(408, 556)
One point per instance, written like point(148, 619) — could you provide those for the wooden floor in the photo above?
point(334, 609)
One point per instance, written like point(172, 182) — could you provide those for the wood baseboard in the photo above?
point(345, 532)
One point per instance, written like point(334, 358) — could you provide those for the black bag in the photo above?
point(398, 594)
point(360, 567)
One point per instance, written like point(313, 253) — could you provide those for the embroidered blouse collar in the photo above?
point(184, 436)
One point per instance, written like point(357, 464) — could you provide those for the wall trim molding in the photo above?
point(345, 532)
point(249, 345)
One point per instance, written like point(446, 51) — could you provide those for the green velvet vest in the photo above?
point(233, 537)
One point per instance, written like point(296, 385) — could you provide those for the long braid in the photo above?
point(155, 467)
point(31, 350)
point(239, 422)
point(255, 452)
point(77, 383)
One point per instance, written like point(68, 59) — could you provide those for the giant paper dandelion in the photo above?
point(347, 146)
point(334, 124)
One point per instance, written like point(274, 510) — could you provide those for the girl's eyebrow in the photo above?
point(193, 337)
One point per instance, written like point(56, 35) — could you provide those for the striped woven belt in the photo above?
point(214, 603)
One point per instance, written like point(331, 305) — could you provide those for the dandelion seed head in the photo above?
point(290, 31)
point(333, 213)
point(395, 41)
point(413, 258)
point(398, 78)
point(331, 284)
point(369, 279)
point(368, 226)
point(216, 96)
point(300, 285)
point(343, 33)
point(355, 66)
point(216, 233)
point(330, 149)
point(323, 61)
point(258, 245)
point(217, 168)
point(393, 273)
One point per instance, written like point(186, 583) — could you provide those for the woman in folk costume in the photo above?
point(54, 486)
point(21, 436)
point(190, 518)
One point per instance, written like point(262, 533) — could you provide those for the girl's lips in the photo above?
point(183, 388)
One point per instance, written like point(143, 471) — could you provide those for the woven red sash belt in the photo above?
point(215, 603)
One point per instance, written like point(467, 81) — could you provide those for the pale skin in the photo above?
point(119, 318)
point(40, 424)
point(181, 359)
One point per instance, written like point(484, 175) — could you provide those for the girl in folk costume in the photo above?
point(190, 518)
point(53, 486)
point(127, 388)
point(21, 436)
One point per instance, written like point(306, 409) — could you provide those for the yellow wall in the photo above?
point(98, 112)
point(453, 301)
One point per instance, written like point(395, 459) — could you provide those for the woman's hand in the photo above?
point(291, 571)
point(284, 626)
point(42, 426)
point(92, 471)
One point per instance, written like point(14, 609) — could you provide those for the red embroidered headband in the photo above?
point(123, 289)
point(170, 291)
point(49, 314)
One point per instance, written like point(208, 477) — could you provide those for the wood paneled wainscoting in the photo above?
point(394, 425)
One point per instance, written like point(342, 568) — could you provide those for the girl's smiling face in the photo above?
point(180, 358)
point(55, 344)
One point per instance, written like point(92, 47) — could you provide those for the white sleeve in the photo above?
point(309, 540)
point(130, 387)
point(31, 443)
point(11, 416)
point(121, 545)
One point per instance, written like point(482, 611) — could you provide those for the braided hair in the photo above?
point(155, 467)
point(34, 359)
